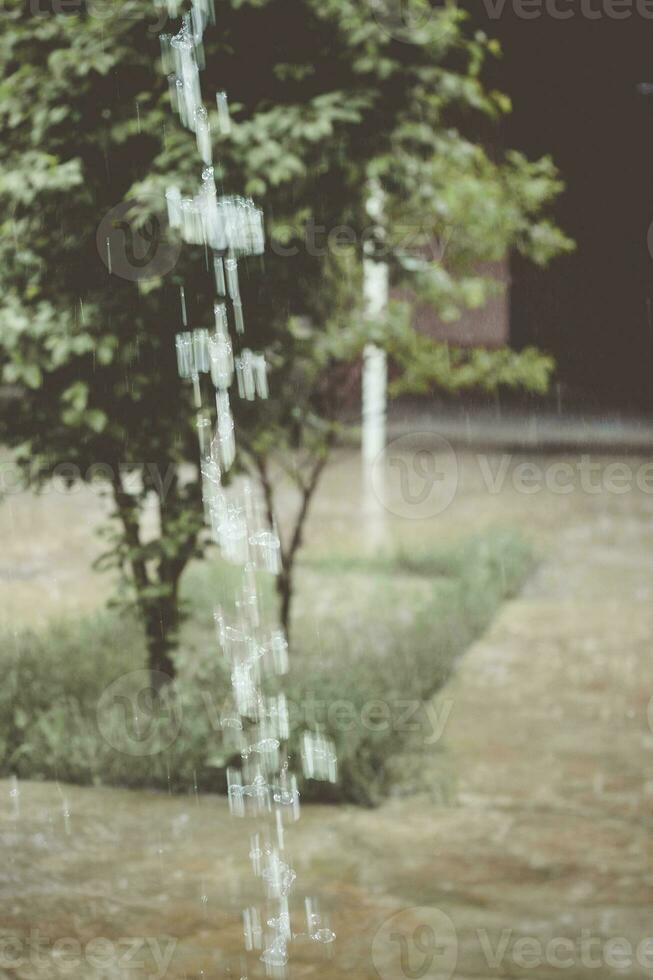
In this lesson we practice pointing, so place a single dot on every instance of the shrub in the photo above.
(75, 703)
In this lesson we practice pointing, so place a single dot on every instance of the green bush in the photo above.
(74, 704)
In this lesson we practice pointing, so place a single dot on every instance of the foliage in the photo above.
(325, 100)
(56, 721)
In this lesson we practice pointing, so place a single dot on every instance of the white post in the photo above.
(375, 295)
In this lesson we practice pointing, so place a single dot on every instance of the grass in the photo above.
(373, 641)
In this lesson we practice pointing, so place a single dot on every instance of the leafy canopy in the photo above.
(325, 98)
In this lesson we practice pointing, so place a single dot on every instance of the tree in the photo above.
(325, 99)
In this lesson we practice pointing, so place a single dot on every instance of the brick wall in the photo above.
(485, 327)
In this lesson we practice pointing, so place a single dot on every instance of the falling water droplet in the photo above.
(224, 119)
(14, 796)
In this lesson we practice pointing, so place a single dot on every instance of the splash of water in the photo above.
(255, 722)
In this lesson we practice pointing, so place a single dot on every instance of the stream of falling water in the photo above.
(256, 724)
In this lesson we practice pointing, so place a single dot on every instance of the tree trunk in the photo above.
(284, 592)
(161, 624)
(160, 612)
(284, 581)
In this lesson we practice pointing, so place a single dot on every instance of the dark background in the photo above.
(574, 89)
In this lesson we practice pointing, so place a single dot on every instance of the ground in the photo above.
(538, 830)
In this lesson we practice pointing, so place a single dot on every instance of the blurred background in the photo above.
(440, 414)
